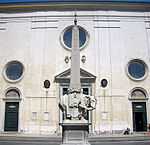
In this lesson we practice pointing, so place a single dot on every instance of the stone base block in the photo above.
(75, 134)
(75, 144)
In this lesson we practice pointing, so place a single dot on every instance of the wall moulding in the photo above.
(71, 6)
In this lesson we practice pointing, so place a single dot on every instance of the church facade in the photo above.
(35, 45)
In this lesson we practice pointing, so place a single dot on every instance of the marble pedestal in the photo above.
(75, 133)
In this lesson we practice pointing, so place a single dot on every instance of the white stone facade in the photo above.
(33, 38)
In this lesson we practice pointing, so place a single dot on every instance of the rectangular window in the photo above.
(65, 91)
(34, 116)
(86, 91)
(46, 116)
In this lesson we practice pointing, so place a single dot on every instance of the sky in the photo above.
(25, 1)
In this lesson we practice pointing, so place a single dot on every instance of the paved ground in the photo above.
(58, 143)
(94, 140)
(123, 143)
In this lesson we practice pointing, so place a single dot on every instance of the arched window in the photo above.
(138, 94)
(12, 94)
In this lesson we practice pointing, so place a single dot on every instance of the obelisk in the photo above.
(75, 85)
(75, 59)
(74, 130)
(75, 103)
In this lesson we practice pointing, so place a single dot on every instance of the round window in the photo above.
(137, 69)
(14, 71)
(66, 37)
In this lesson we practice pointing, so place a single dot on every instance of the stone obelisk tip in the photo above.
(75, 20)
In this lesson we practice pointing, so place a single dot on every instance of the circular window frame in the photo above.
(5, 75)
(133, 78)
(68, 48)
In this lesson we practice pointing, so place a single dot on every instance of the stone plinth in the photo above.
(75, 133)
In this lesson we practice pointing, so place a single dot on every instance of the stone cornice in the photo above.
(23, 7)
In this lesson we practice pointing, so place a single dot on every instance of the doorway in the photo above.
(139, 116)
(11, 116)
